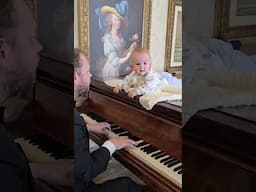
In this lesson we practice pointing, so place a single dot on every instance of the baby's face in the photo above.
(141, 64)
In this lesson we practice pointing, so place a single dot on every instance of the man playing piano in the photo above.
(17, 36)
(88, 165)
(19, 50)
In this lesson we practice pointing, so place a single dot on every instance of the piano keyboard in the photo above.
(163, 163)
(41, 148)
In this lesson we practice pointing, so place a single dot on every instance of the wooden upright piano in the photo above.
(219, 150)
(45, 127)
(157, 159)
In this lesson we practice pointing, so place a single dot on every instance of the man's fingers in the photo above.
(107, 128)
(130, 143)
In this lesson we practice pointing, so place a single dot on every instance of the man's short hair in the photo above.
(7, 20)
(77, 64)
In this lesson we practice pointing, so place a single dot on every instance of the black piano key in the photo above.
(177, 168)
(159, 156)
(114, 126)
(123, 134)
(169, 161)
(146, 147)
(93, 114)
(155, 154)
(134, 138)
(173, 163)
(179, 172)
(141, 144)
(117, 131)
(152, 151)
(51, 147)
(150, 148)
(166, 159)
(96, 117)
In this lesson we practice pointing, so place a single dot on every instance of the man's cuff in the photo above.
(110, 146)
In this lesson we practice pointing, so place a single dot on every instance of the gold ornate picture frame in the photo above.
(174, 11)
(234, 21)
(230, 24)
(86, 11)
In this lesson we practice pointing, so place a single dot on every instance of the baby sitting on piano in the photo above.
(143, 79)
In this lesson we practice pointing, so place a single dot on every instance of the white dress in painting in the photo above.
(113, 50)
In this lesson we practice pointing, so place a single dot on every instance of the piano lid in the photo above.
(244, 112)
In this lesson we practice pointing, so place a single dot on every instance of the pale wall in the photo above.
(158, 33)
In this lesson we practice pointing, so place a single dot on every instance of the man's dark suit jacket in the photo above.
(15, 174)
(87, 165)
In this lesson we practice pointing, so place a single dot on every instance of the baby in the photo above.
(142, 79)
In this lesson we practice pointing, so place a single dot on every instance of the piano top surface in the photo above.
(242, 118)
(170, 110)
(242, 112)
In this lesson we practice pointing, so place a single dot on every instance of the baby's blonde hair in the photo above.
(138, 51)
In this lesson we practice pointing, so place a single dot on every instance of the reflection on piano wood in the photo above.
(157, 158)
(41, 148)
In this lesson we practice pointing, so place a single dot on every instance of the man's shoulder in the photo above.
(78, 120)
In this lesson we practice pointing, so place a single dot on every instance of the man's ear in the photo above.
(76, 75)
(2, 48)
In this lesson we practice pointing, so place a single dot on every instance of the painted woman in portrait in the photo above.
(116, 55)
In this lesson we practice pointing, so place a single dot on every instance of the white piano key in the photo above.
(33, 153)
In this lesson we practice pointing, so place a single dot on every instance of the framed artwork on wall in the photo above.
(108, 29)
(236, 20)
(173, 51)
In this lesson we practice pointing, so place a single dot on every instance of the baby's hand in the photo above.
(132, 94)
(117, 89)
